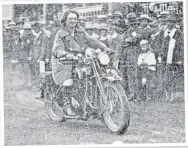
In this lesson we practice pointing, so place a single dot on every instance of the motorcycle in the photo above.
(97, 89)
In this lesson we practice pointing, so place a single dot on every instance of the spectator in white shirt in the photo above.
(147, 71)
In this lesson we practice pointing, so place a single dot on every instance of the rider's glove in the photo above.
(108, 50)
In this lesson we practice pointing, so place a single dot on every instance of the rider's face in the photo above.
(72, 20)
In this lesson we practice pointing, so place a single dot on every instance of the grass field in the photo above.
(27, 123)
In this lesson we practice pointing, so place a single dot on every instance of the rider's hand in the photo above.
(108, 50)
(69, 56)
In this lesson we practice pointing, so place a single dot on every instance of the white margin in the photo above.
(185, 11)
(185, 68)
(1, 84)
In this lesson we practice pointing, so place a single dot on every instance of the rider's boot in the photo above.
(69, 111)
(67, 107)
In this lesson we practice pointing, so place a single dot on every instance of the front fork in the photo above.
(101, 88)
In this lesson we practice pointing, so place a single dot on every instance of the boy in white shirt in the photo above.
(147, 71)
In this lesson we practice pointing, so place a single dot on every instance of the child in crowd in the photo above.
(147, 71)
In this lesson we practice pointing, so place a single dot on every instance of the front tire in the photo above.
(116, 102)
(54, 110)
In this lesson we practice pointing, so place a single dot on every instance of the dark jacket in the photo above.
(178, 52)
(16, 48)
(40, 47)
(26, 46)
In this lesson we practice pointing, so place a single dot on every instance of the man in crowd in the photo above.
(119, 20)
(25, 53)
(130, 54)
(40, 45)
(172, 54)
(90, 30)
(103, 31)
(115, 43)
(16, 46)
(144, 30)
(82, 21)
(20, 27)
(96, 28)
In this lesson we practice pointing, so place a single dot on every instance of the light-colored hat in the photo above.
(89, 25)
(96, 25)
(109, 20)
(36, 24)
(103, 26)
(131, 17)
(172, 18)
(27, 26)
(163, 15)
(142, 42)
(15, 31)
(145, 16)
(118, 13)
(12, 23)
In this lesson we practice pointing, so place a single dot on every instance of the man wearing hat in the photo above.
(40, 47)
(90, 30)
(120, 22)
(82, 21)
(117, 16)
(25, 52)
(7, 38)
(144, 31)
(19, 26)
(46, 54)
(172, 54)
(130, 54)
(103, 31)
(96, 28)
(12, 25)
(115, 43)
(16, 46)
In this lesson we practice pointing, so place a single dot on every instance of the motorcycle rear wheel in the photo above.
(116, 102)
(54, 110)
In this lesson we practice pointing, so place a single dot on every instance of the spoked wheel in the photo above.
(54, 109)
(117, 112)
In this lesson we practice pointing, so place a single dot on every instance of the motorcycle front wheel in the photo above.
(54, 110)
(116, 108)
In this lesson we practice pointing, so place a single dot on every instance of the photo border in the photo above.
(185, 12)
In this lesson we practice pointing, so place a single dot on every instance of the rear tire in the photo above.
(121, 124)
(54, 110)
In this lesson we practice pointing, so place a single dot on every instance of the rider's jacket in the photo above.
(66, 43)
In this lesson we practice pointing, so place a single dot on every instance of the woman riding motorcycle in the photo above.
(71, 39)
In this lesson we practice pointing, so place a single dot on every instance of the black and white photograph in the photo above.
(90, 73)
